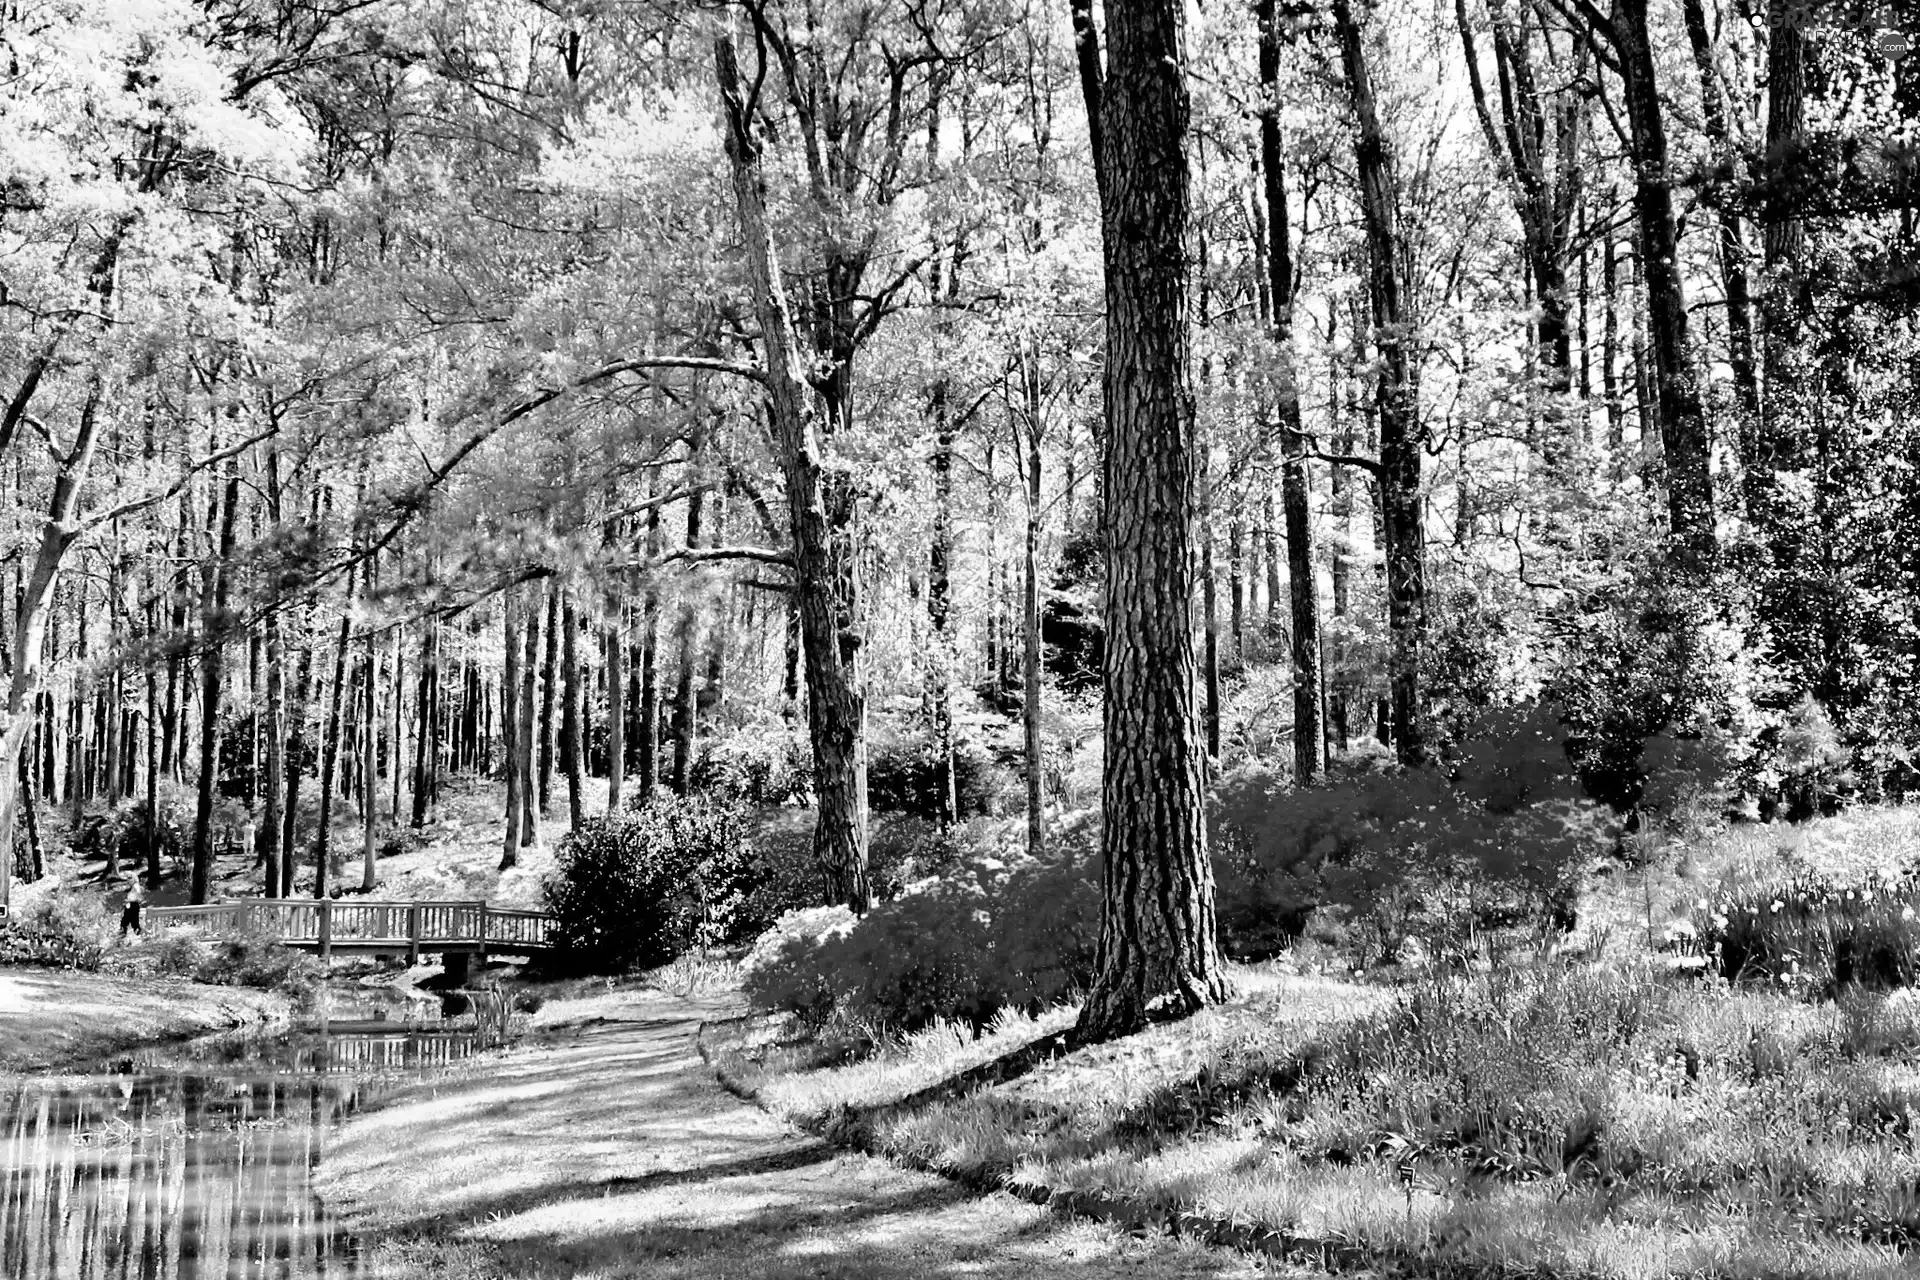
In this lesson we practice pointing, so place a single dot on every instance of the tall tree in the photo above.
(1397, 398)
(823, 552)
(1157, 945)
(1309, 736)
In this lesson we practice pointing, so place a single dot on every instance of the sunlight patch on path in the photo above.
(612, 1153)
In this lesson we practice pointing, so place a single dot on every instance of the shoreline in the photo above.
(58, 1020)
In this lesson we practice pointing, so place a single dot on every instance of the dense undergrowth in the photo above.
(1646, 1097)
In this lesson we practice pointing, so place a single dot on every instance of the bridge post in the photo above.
(413, 933)
(483, 933)
(325, 912)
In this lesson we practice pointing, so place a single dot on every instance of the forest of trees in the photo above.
(550, 389)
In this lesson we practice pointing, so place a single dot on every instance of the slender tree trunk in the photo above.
(825, 580)
(1610, 339)
(30, 622)
(426, 742)
(153, 779)
(1401, 438)
(1732, 246)
(330, 750)
(943, 657)
(397, 743)
(549, 691)
(510, 725)
(1030, 657)
(524, 737)
(685, 705)
(1157, 938)
(213, 649)
(573, 750)
(1681, 418)
(370, 770)
(615, 643)
(1309, 735)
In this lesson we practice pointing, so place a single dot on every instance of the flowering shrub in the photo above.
(640, 887)
(58, 928)
(762, 764)
(994, 932)
(1813, 934)
(1419, 854)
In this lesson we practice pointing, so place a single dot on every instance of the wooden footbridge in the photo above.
(328, 925)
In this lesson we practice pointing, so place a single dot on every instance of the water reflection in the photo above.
(194, 1163)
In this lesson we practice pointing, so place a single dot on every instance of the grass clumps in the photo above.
(1595, 1112)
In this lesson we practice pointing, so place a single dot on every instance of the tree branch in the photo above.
(211, 460)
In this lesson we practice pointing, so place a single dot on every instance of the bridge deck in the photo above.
(328, 925)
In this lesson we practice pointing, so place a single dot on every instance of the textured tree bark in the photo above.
(1681, 418)
(213, 655)
(1157, 945)
(1397, 396)
(1309, 735)
(819, 508)
(1209, 610)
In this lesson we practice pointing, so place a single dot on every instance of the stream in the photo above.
(196, 1160)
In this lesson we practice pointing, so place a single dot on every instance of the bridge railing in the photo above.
(325, 922)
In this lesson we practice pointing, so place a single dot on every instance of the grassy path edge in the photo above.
(854, 1129)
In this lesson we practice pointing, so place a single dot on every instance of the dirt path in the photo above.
(611, 1152)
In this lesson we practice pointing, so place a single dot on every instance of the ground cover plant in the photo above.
(1622, 1116)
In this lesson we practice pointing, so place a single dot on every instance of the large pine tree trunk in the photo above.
(824, 570)
(1157, 944)
(212, 675)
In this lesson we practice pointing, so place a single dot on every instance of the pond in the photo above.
(197, 1160)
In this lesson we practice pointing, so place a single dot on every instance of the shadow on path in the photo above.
(611, 1152)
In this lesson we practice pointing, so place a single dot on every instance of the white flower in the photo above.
(1776, 906)
(1906, 912)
